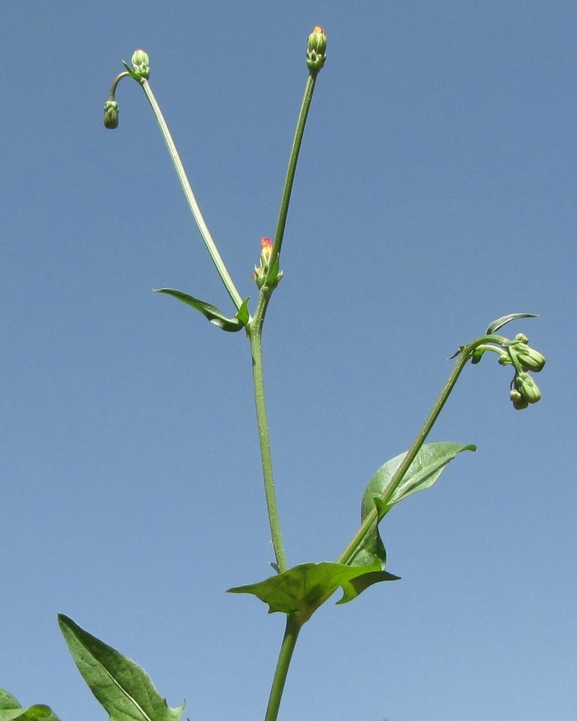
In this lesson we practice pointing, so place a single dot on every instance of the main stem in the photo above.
(254, 330)
(255, 337)
(287, 648)
(189, 195)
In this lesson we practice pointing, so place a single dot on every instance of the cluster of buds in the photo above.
(262, 271)
(518, 353)
(316, 50)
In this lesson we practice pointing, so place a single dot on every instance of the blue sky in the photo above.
(435, 192)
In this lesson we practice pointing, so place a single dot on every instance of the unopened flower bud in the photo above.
(316, 49)
(260, 271)
(521, 338)
(111, 114)
(141, 63)
(527, 387)
(519, 403)
(529, 359)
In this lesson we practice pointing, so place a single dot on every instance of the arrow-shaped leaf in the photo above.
(124, 689)
(303, 589)
(214, 314)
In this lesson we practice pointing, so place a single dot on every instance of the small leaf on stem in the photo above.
(425, 469)
(500, 322)
(214, 315)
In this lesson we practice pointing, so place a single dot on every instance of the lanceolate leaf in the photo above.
(428, 465)
(500, 322)
(121, 686)
(214, 315)
(302, 589)
(10, 710)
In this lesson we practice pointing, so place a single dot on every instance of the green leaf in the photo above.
(10, 710)
(121, 686)
(9, 706)
(428, 465)
(500, 322)
(37, 713)
(303, 589)
(7, 701)
(214, 315)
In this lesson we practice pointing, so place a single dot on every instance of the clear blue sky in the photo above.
(436, 191)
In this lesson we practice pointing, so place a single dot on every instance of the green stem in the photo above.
(114, 85)
(288, 185)
(348, 555)
(255, 337)
(287, 648)
(254, 330)
(186, 187)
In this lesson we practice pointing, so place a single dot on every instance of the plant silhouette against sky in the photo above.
(122, 687)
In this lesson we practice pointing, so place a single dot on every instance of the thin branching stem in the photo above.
(189, 194)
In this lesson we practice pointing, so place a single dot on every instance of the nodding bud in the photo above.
(111, 114)
(519, 403)
(527, 387)
(529, 359)
(316, 49)
(141, 63)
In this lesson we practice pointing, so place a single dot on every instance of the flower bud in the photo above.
(111, 114)
(521, 338)
(527, 387)
(316, 49)
(141, 63)
(529, 359)
(519, 403)
(260, 271)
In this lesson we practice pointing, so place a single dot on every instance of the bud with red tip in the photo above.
(316, 50)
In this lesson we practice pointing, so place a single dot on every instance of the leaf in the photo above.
(37, 713)
(214, 315)
(120, 685)
(7, 701)
(500, 322)
(10, 710)
(428, 465)
(303, 589)
(9, 706)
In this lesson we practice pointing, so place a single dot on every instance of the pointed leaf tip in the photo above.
(122, 687)
(500, 322)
